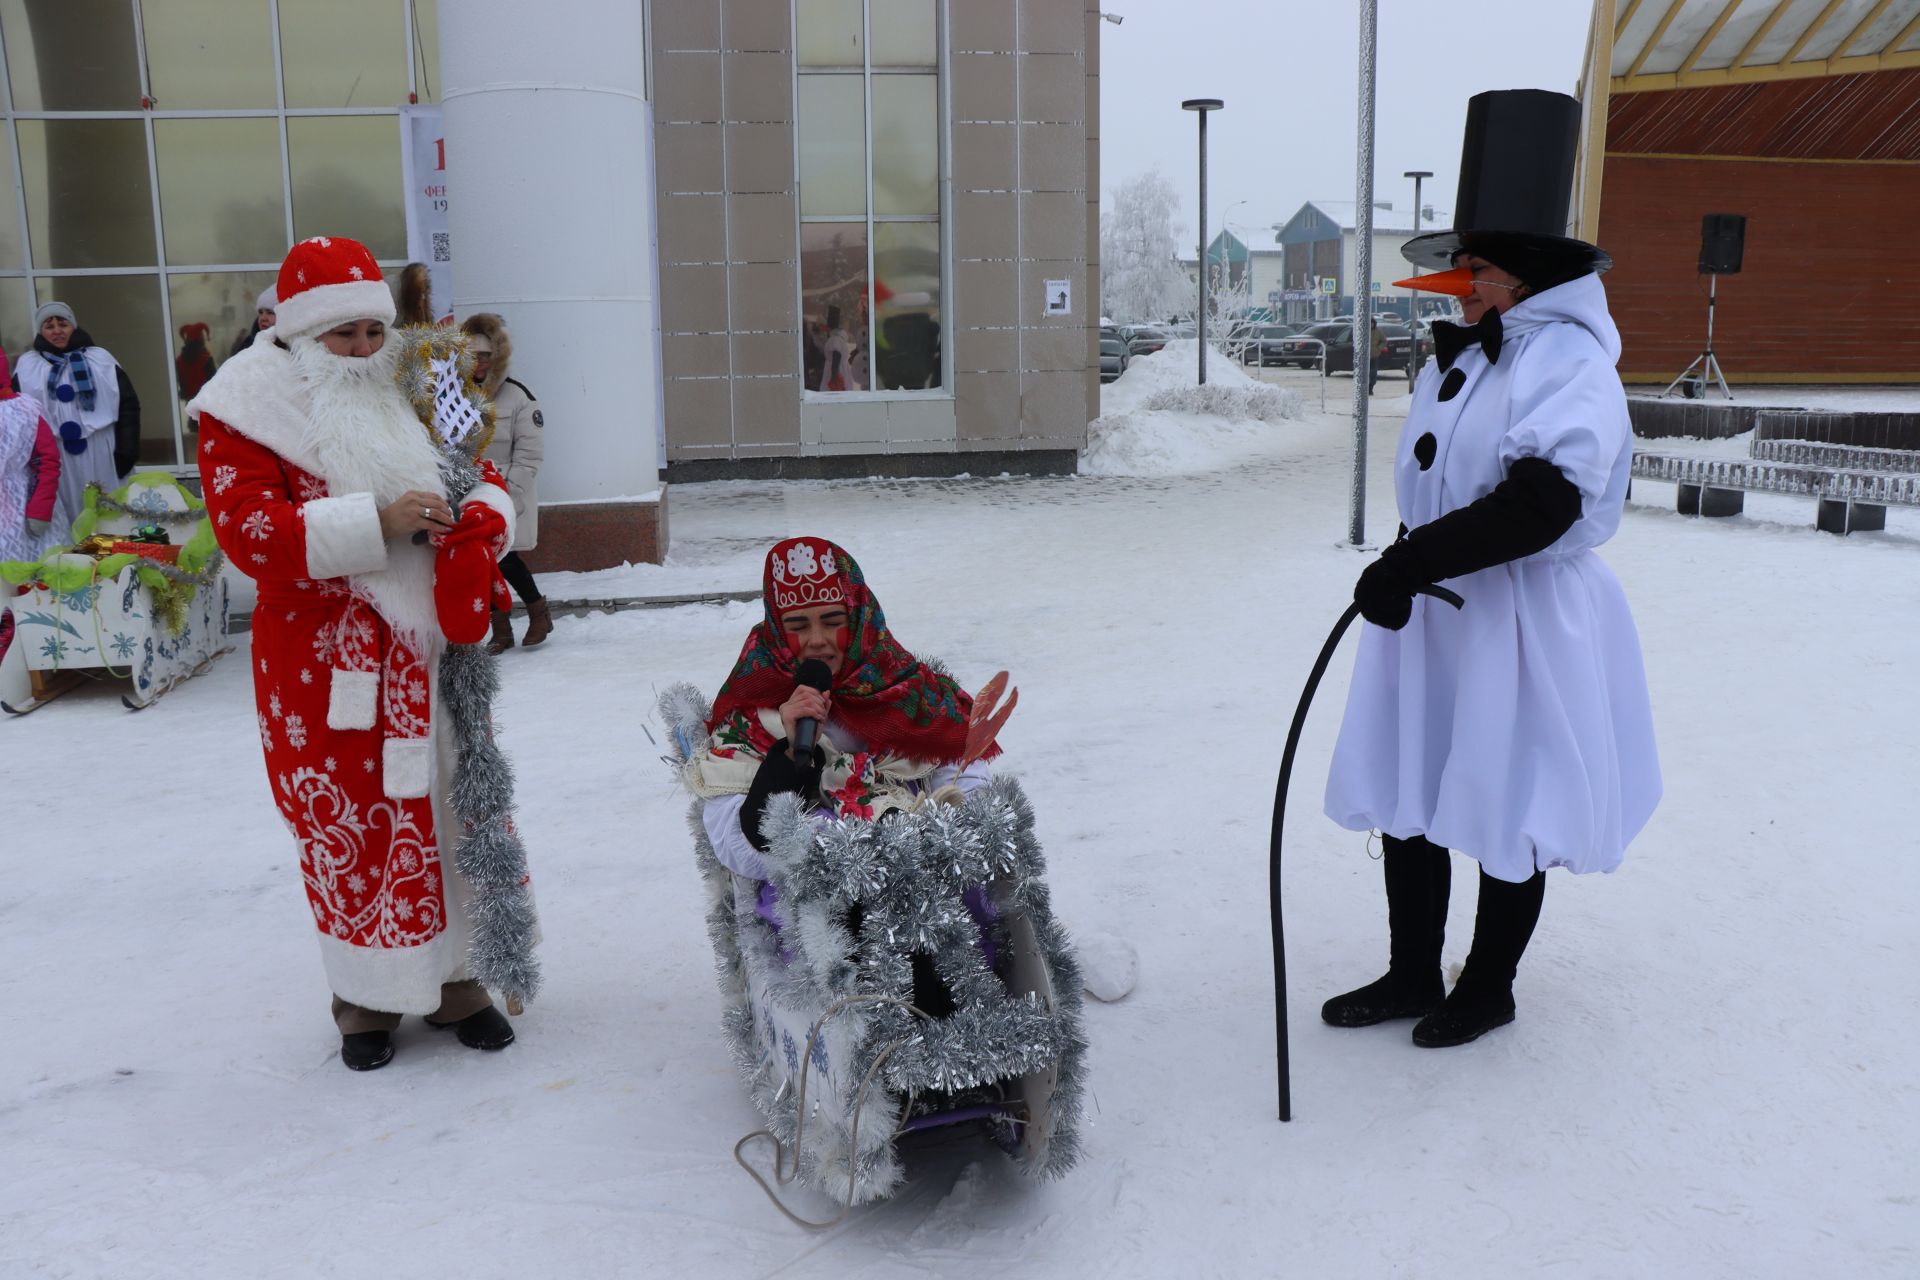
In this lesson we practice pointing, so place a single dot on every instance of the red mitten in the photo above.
(464, 572)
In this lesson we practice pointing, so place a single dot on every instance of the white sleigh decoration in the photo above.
(113, 626)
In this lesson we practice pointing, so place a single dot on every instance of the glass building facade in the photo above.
(162, 155)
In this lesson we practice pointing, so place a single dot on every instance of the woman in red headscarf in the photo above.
(892, 730)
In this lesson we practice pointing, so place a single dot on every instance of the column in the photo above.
(550, 178)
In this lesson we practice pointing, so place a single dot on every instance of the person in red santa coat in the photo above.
(321, 481)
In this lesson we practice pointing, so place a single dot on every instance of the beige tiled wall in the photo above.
(1023, 205)
(1022, 75)
(723, 159)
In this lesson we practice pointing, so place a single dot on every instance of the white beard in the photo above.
(360, 428)
(364, 437)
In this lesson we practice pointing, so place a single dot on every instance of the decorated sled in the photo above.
(918, 980)
(138, 595)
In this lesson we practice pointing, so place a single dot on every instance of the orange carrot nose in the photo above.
(1458, 282)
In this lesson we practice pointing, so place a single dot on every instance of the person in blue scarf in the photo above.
(87, 398)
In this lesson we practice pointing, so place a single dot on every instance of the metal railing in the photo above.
(1759, 475)
(1850, 457)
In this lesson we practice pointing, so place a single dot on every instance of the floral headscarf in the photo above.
(896, 703)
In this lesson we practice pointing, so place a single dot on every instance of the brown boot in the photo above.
(502, 632)
(539, 623)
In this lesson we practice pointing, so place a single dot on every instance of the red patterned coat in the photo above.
(346, 648)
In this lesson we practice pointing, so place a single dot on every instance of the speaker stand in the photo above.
(1706, 362)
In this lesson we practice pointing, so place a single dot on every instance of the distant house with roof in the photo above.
(1317, 245)
(1237, 265)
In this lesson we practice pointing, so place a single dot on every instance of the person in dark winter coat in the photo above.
(519, 446)
(262, 319)
(193, 368)
(1518, 728)
(87, 396)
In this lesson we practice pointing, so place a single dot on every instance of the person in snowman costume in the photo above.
(1516, 729)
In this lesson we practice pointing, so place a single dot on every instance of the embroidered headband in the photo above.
(803, 575)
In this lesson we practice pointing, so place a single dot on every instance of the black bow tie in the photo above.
(1449, 340)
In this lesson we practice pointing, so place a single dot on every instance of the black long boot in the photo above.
(1483, 998)
(1419, 878)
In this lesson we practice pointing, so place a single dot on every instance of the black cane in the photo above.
(1279, 818)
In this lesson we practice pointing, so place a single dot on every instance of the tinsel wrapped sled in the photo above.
(1004, 1050)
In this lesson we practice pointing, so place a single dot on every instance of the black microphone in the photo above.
(814, 674)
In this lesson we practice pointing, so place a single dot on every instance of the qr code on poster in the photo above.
(442, 246)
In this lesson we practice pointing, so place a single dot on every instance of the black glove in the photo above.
(1525, 513)
(778, 773)
(1386, 589)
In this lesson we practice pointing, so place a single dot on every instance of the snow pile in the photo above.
(1109, 965)
(1158, 420)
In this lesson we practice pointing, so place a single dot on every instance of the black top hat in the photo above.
(1516, 182)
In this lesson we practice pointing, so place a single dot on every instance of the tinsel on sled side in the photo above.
(865, 904)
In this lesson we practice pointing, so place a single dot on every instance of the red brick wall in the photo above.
(1826, 290)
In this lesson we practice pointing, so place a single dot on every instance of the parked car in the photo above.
(1236, 338)
(1113, 358)
(1399, 343)
(1144, 340)
(1302, 350)
(1263, 345)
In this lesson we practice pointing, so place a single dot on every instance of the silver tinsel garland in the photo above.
(908, 874)
(490, 855)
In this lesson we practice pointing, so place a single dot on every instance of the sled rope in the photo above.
(785, 1176)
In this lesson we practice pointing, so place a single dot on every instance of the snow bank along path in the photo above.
(1157, 420)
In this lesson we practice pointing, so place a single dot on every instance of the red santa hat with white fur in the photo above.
(328, 281)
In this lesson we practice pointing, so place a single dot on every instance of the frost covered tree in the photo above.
(1229, 297)
(1140, 274)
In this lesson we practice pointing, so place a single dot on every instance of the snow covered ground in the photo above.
(1713, 1072)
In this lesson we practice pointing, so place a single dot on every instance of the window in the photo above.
(868, 137)
(152, 222)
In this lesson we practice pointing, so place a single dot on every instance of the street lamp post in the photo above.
(1412, 296)
(1413, 299)
(1363, 270)
(1226, 233)
(1202, 106)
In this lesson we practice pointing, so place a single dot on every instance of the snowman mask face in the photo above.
(1494, 287)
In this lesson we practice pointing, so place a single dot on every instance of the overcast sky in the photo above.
(1288, 71)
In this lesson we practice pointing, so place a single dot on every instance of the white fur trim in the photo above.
(320, 308)
(257, 394)
(392, 979)
(343, 536)
(352, 699)
(406, 768)
(497, 498)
